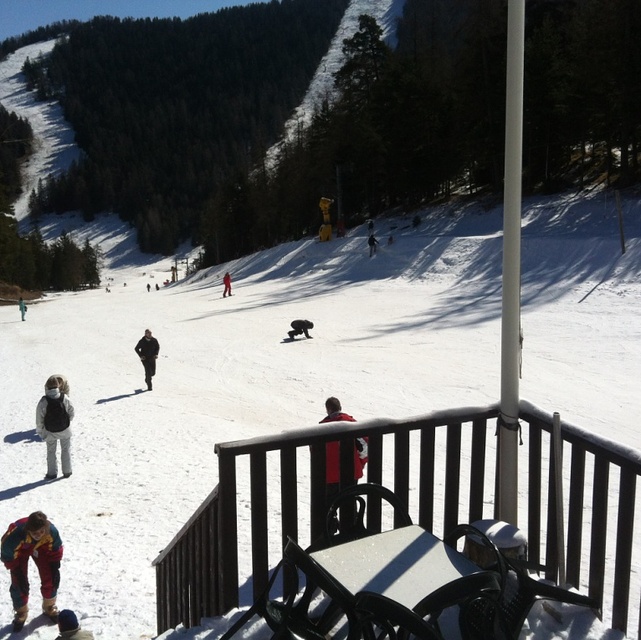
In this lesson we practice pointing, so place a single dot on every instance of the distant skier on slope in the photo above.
(372, 242)
(227, 283)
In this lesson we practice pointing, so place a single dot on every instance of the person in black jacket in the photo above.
(372, 242)
(300, 326)
(147, 350)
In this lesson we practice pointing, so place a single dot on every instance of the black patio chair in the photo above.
(488, 583)
(340, 605)
(289, 617)
(274, 612)
(340, 529)
(488, 618)
(499, 562)
(369, 623)
(380, 617)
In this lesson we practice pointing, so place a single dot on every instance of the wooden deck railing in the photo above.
(187, 584)
(443, 467)
(602, 525)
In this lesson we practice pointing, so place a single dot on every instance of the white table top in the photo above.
(404, 564)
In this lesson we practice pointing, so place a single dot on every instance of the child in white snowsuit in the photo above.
(54, 414)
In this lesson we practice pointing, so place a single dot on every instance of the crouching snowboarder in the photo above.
(299, 327)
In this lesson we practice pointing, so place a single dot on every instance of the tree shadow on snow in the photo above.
(120, 397)
(22, 436)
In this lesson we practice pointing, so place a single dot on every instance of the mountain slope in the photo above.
(414, 329)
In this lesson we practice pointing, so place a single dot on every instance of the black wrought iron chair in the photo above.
(498, 564)
(341, 602)
(341, 528)
(289, 617)
(353, 524)
(363, 619)
(274, 612)
(380, 617)
(489, 618)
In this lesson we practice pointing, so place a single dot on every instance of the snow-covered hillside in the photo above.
(386, 13)
(55, 149)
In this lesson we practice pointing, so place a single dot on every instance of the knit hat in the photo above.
(67, 620)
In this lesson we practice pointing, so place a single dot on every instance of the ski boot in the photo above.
(50, 609)
(20, 617)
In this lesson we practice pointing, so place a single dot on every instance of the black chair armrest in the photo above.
(500, 562)
(274, 613)
(459, 591)
(374, 610)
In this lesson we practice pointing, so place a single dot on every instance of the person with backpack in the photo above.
(54, 414)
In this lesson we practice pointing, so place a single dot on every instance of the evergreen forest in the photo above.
(175, 117)
(420, 122)
(168, 111)
(16, 139)
(29, 262)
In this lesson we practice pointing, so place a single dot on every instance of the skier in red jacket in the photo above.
(227, 283)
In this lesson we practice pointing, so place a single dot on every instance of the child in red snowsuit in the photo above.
(33, 537)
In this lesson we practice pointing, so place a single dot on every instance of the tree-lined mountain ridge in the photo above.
(174, 123)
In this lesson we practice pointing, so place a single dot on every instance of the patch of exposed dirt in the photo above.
(10, 294)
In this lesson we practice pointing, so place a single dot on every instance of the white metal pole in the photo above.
(511, 311)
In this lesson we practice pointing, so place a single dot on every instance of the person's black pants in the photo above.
(150, 369)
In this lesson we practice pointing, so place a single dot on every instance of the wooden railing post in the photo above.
(623, 561)
(227, 533)
(599, 533)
